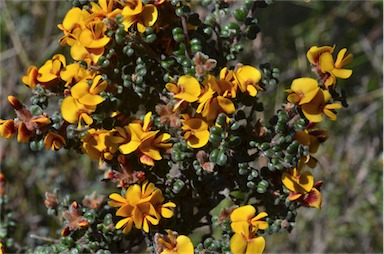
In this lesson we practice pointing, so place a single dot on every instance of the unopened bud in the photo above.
(15, 103)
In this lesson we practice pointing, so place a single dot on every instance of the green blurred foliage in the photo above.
(351, 161)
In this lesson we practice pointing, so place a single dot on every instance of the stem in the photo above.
(47, 239)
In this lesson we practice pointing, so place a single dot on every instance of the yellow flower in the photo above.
(312, 198)
(314, 109)
(126, 138)
(7, 128)
(73, 73)
(296, 181)
(105, 8)
(96, 144)
(302, 90)
(173, 243)
(247, 78)
(335, 69)
(245, 216)
(85, 33)
(73, 21)
(137, 136)
(49, 73)
(215, 99)
(31, 78)
(245, 225)
(75, 112)
(325, 67)
(150, 141)
(314, 53)
(89, 95)
(312, 139)
(54, 141)
(135, 13)
(90, 42)
(247, 243)
(187, 89)
(196, 132)
(139, 207)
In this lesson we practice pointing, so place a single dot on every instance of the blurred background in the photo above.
(350, 162)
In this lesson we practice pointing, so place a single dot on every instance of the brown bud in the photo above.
(15, 103)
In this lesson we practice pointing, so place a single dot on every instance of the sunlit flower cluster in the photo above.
(84, 29)
(142, 206)
(326, 67)
(215, 96)
(313, 97)
(135, 137)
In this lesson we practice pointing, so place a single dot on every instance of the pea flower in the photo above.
(89, 95)
(173, 243)
(312, 139)
(142, 206)
(75, 112)
(83, 101)
(296, 181)
(186, 89)
(137, 137)
(328, 70)
(96, 144)
(245, 215)
(312, 198)
(85, 34)
(302, 90)
(73, 73)
(90, 42)
(7, 128)
(320, 105)
(247, 78)
(54, 141)
(196, 132)
(135, 13)
(30, 79)
(245, 224)
(49, 74)
(105, 8)
(335, 69)
(215, 98)
(314, 53)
